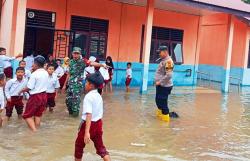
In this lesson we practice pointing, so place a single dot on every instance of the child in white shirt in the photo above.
(52, 88)
(12, 89)
(91, 125)
(2, 99)
(128, 76)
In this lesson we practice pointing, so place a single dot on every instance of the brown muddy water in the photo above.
(212, 126)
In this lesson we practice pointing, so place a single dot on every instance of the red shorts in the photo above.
(8, 72)
(17, 102)
(51, 99)
(36, 105)
(128, 81)
(95, 135)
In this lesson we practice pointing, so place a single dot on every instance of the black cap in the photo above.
(162, 48)
(40, 60)
(95, 78)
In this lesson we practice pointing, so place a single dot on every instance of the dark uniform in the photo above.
(164, 75)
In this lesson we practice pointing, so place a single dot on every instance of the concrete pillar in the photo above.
(13, 26)
(228, 56)
(147, 45)
(197, 52)
(246, 71)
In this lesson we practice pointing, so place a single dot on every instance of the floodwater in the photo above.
(212, 126)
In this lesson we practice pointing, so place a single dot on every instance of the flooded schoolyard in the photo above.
(212, 126)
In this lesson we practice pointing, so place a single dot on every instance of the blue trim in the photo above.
(180, 74)
(225, 81)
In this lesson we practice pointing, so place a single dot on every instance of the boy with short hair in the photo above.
(91, 125)
(12, 88)
(2, 99)
(27, 74)
(37, 86)
(128, 76)
(53, 86)
(58, 69)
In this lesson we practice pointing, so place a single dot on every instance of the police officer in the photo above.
(164, 83)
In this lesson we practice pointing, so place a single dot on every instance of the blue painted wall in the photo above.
(181, 77)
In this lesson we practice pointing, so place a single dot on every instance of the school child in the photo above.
(12, 88)
(109, 63)
(2, 99)
(27, 73)
(37, 86)
(91, 124)
(29, 59)
(128, 76)
(8, 70)
(53, 86)
(58, 69)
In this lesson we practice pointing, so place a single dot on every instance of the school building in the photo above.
(203, 36)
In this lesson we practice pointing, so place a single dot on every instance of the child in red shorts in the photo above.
(91, 125)
(37, 86)
(52, 88)
(12, 88)
(128, 76)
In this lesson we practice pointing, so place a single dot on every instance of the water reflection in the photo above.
(212, 126)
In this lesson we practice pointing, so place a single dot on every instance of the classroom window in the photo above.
(172, 38)
(91, 35)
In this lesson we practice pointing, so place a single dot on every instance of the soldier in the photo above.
(74, 81)
(164, 83)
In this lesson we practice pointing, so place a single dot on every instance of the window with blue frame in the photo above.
(172, 38)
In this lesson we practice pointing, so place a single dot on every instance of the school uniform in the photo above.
(29, 62)
(128, 76)
(59, 72)
(164, 75)
(12, 88)
(37, 102)
(93, 104)
(2, 99)
(8, 70)
(53, 84)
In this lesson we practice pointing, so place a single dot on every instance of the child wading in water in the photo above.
(128, 76)
(91, 125)
(2, 102)
(12, 88)
(52, 88)
(37, 86)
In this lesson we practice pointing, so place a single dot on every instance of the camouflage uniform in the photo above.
(75, 86)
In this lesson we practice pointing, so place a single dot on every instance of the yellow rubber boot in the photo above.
(159, 113)
(165, 118)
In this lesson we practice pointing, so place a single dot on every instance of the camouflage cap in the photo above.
(77, 50)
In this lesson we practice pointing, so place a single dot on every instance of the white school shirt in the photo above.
(129, 73)
(2, 103)
(53, 84)
(6, 60)
(88, 70)
(93, 104)
(13, 87)
(38, 81)
(104, 72)
(29, 62)
(59, 71)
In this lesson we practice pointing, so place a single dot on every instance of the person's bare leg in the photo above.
(20, 117)
(1, 121)
(110, 86)
(78, 159)
(31, 123)
(37, 121)
(8, 118)
(106, 158)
